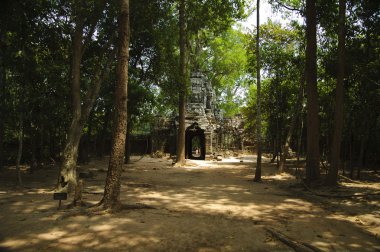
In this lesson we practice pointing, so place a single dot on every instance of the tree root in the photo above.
(338, 196)
(351, 180)
(136, 206)
(94, 193)
(297, 246)
(72, 213)
(100, 209)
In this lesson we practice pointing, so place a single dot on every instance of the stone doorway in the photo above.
(195, 147)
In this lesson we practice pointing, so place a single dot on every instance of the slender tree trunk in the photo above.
(111, 198)
(1, 140)
(278, 137)
(273, 149)
(2, 98)
(350, 153)
(361, 156)
(259, 144)
(128, 144)
(40, 144)
(332, 176)
(296, 114)
(299, 141)
(312, 157)
(33, 161)
(101, 141)
(182, 84)
(19, 152)
(363, 144)
(68, 176)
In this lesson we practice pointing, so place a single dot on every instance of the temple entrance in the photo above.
(195, 147)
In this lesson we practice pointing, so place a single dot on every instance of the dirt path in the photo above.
(205, 206)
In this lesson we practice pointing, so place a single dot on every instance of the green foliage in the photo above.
(213, 15)
(223, 59)
(35, 42)
(282, 52)
(282, 65)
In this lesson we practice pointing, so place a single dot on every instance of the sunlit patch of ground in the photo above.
(203, 206)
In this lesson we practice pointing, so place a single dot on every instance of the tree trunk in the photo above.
(33, 161)
(182, 84)
(111, 198)
(361, 156)
(363, 143)
(332, 176)
(1, 140)
(351, 158)
(19, 152)
(312, 157)
(274, 154)
(128, 144)
(2, 98)
(296, 114)
(299, 141)
(278, 137)
(68, 177)
(258, 161)
(101, 141)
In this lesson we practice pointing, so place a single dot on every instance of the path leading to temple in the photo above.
(204, 206)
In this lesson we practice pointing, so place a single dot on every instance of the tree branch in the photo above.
(289, 8)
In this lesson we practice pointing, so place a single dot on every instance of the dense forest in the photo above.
(181, 125)
(319, 90)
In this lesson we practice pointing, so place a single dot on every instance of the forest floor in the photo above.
(204, 206)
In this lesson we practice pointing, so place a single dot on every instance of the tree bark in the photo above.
(363, 144)
(33, 161)
(296, 113)
(128, 144)
(101, 139)
(68, 177)
(111, 198)
(2, 90)
(258, 67)
(299, 141)
(332, 176)
(19, 152)
(182, 85)
(1, 140)
(312, 156)
(350, 153)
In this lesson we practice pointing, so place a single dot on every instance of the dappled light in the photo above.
(215, 195)
(185, 125)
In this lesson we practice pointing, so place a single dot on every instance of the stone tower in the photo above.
(201, 118)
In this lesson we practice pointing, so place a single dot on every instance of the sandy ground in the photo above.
(205, 206)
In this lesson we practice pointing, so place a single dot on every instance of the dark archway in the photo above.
(195, 147)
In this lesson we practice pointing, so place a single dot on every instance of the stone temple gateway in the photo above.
(202, 118)
(207, 132)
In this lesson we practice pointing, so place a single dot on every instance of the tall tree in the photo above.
(296, 114)
(20, 149)
(80, 108)
(182, 83)
(258, 124)
(332, 176)
(2, 89)
(111, 198)
(312, 156)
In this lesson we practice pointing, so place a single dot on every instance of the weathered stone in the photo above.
(214, 132)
